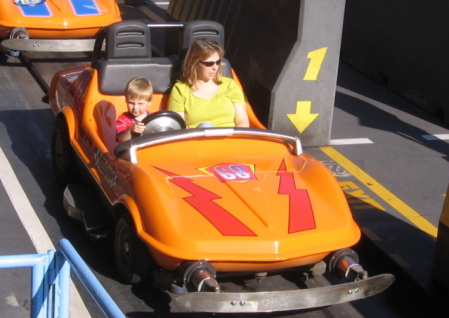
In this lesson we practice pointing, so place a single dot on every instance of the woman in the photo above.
(202, 96)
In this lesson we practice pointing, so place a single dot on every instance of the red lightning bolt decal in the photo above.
(202, 201)
(301, 213)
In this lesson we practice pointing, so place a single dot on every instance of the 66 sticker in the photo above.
(231, 172)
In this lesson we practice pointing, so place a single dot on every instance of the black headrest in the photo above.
(202, 30)
(124, 39)
(128, 39)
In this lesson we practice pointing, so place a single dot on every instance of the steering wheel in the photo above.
(163, 120)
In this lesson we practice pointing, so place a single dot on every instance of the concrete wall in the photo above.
(403, 44)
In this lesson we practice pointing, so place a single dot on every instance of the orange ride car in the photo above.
(45, 22)
(190, 206)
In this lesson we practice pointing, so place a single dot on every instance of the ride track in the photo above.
(336, 311)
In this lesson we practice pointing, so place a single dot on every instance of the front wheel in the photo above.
(132, 258)
(62, 155)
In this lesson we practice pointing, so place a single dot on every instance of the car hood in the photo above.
(259, 203)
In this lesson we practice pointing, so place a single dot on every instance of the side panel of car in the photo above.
(91, 118)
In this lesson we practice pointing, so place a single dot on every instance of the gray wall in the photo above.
(403, 44)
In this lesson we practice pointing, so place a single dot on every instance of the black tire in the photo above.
(62, 155)
(132, 258)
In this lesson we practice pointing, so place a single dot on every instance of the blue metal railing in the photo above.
(50, 282)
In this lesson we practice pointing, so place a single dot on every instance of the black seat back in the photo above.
(127, 54)
(201, 30)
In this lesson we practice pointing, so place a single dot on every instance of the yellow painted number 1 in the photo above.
(316, 60)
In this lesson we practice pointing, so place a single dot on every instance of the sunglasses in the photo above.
(210, 63)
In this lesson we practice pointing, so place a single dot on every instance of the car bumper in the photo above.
(274, 301)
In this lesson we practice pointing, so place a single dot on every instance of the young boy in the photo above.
(138, 95)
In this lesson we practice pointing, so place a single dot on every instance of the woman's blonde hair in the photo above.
(200, 50)
(139, 88)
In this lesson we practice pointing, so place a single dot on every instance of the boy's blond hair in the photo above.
(139, 88)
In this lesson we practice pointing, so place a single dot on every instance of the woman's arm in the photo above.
(241, 116)
(176, 101)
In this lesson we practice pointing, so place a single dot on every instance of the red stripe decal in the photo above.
(300, 209)
(202, 201)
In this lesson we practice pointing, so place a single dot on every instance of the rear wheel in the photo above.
(63, 160)
(132, 258)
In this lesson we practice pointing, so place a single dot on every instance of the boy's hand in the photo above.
(138, 128)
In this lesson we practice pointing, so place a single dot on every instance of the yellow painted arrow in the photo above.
(302, 118)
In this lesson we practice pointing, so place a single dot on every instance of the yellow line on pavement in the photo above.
(381, 191)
